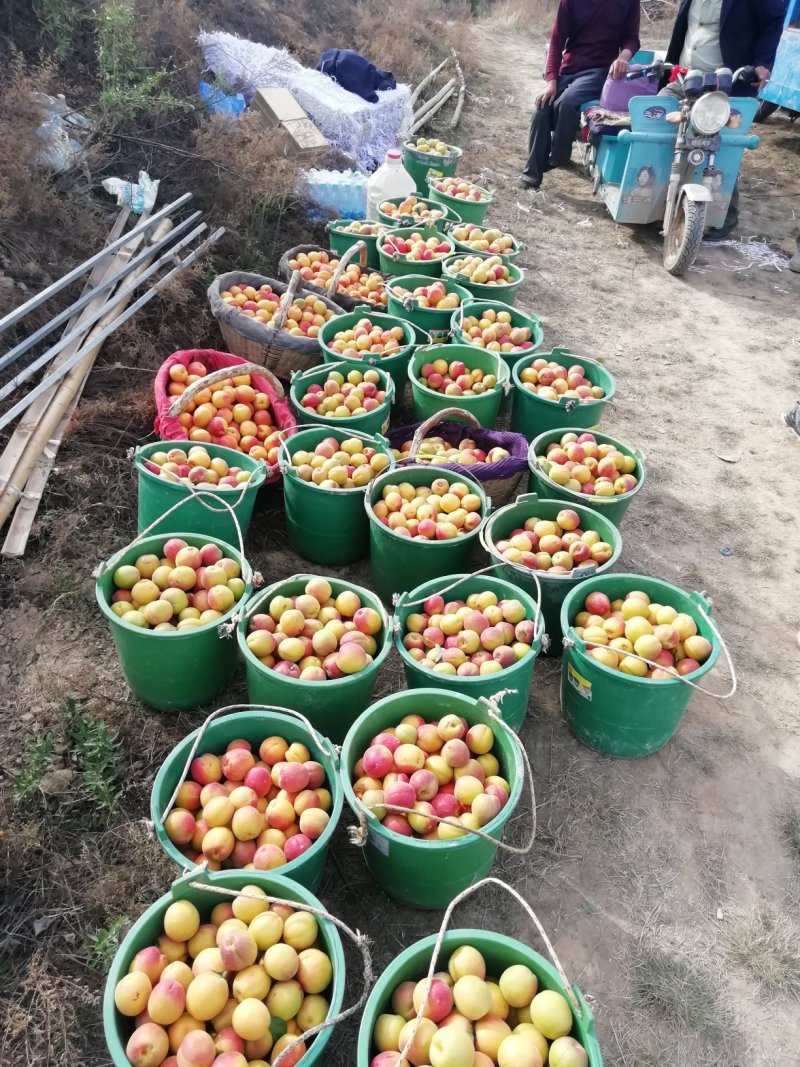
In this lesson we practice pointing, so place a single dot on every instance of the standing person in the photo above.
(709, 34)
(590, 40)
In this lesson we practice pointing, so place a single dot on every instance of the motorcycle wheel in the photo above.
(685, 236)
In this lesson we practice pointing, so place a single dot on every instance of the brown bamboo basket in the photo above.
(268, 345)
(349, 303)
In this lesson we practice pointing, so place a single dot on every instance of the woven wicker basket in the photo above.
(349, 303)
(501, 481)
(269, 345)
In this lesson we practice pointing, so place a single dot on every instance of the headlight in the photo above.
(710, 113)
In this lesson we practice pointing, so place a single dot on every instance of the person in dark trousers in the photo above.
(709, 34)
(590, 40)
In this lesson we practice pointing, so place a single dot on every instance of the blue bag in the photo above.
(355, 73)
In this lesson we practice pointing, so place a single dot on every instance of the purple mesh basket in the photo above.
(500, 480)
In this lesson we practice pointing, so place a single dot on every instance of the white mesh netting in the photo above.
(363, 130)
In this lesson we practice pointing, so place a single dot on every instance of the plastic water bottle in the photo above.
(390, 180)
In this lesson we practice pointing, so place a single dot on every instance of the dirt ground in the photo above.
(670, 886)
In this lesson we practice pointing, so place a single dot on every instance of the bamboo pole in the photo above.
(435, 104)
(19, 439)
(52, 407)
(462, 91)
(427, 80)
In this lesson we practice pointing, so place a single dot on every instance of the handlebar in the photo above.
(699, 81)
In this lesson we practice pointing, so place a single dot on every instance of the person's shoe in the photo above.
(794, 262)
(720, 233)
(528, 183)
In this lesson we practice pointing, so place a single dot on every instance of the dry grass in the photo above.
(766, 944)
(790, 832)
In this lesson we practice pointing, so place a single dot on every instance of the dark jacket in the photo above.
(749, 32)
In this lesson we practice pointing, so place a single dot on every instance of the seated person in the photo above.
(590, 39)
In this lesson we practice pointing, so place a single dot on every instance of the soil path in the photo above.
(680, 852)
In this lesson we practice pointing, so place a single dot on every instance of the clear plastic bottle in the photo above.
(391, 179)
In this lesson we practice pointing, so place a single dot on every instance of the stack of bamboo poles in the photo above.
(430, 107)
(46, 409)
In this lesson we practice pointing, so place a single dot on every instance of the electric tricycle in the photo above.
(673, 157)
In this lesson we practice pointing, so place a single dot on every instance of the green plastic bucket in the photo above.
(436, 323)
(325, 525)
(252, 724)
(518, 318)
(376, 421)
(149, 927)
(484, 406)
(420, 164)
(443, 223)
(178, 669)
(612, 507)
(506, 292)
(618, 713)
(396, 365)
(517, 678)
(532, 416)
(331, 706)
(401, 563)
(500, 952)
(397, 265)
(507, 257)
(205, 517)
(341, 239)
(556, 587)
(468, 210)
(428, 874)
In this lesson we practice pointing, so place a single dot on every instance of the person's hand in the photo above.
(619, 68)
(548, 95)
(763, 76)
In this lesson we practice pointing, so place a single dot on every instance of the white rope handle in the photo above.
(203, 500)
(322, 742)
(360, 833)
(569, 643)
(258, 600)
(576, 1005)
(378, 440)
(360, 940)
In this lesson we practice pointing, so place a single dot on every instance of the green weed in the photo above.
(60, 20)
(38, 757)
(129, 87)
(97, 754)
(104, 943)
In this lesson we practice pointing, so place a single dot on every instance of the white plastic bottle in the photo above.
(391, 179)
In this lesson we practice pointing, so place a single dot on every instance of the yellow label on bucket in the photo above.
(433, 173)
(577, 681)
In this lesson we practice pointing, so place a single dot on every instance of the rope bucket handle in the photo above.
(491, 550)
(574, 1002)
(257, 476)
(285, 460)
(333, 285)
(323, 742)
(188, 394)
(201, 498)
(431, 423)
(570, 642)
(360, 940)
(538, 622)
(359, 834)
(258, 600)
